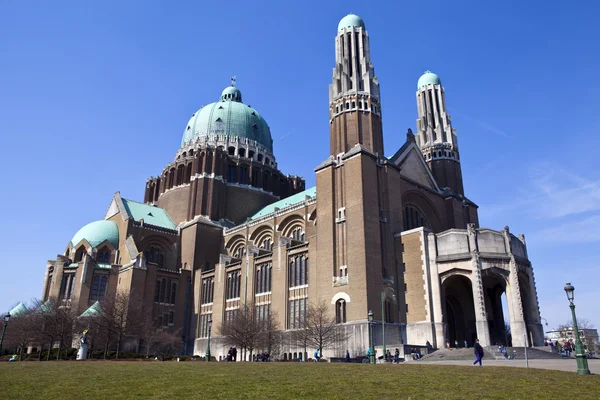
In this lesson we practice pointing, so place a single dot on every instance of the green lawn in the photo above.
(198, 380)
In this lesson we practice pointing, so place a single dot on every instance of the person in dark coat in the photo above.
(478, 350)
(347, 356)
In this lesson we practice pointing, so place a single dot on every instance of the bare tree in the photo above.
(52, 322)
(20, 333)
(168, 343)
(120, 317)
(321, 329)
(270, 337)
(243, 329)
(150, 335)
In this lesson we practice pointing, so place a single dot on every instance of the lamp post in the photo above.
(582, 363)
(372, 350)
(383, 322)
(208, 344)
(6, 319)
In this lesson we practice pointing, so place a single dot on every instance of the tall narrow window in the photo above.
(233, 285)
(103, 256)
(340, 311)
(173, 292)
(208, 285)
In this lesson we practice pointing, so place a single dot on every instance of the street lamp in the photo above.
(582, 363)
(372, 350)
(208, 344)
(6, 319)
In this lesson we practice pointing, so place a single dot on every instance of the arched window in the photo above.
(297, 234)
(103, 255)
(389, 311)
(414, 218)
(154, 255)
(242, 152)
(80, 253)
(231, 151)
(340, 311)
(99, 285)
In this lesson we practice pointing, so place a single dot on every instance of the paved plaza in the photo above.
(558, 364)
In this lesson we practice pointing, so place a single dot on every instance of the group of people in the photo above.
(232, 354)
(262, 357)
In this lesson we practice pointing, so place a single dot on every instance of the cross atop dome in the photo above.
(233, 80)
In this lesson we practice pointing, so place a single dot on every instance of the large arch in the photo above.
(290, 223)
(425, 205)
(494, 286)
(262, 237)
(459, 309)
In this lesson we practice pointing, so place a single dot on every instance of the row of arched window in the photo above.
(351, 105)
(102, 257)
(414, 218)
(166, 291)
(154, 255)
(241, 152)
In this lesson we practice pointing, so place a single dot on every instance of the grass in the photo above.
(198, 380)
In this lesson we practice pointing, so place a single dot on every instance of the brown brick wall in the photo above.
(413, 277)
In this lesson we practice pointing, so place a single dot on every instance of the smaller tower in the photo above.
(436, 137)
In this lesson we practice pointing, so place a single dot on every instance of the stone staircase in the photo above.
(533, 353)
(491, 353)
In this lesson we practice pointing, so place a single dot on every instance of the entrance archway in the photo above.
(494, 286)
(459, 309)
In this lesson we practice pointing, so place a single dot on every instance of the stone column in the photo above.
(481, 322)
(518, 329)
(439, 328)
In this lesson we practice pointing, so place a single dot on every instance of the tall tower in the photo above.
(436, 137)
(357, 189)
(355, 112)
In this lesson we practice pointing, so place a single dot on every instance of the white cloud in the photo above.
(552, 192)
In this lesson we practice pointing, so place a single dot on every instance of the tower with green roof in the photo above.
(435, 135)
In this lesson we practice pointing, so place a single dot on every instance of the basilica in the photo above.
(222, 227)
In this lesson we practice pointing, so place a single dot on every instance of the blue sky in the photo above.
(94, 98)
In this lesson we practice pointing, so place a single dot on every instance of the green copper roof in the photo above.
(97, 232)
(93, 311)
(428, 78)
(350, 21)
(229, 117)
(18, 310)
(288, 201)
(150, 214)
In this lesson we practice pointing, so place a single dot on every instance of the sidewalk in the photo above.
(559, 364)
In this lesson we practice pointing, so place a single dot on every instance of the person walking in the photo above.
(478, 350)
(316, 355)
(347, 356)
(397, 356)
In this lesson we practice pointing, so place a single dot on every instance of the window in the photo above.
(297, 234)
(267, 244)
(171, 317)
(204, 318)
(414, 218)
(405, 288)
(406, 308)
(242, 152)
(208, 288)
(297, 313)
(155, 255)
(230, 315)
(263, 278)
(233, 285)
(173, 292)
(260, 158)
(80, 253)
(298, 271)
(340, 311)
(231, 173)
(67, 286)
(262, 312)
(98, 288)
(240, 252)
(244, 175)
(388, 311)
(231, 151)
(103, 256)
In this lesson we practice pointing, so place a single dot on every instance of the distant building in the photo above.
(222, 227)
(588, 336)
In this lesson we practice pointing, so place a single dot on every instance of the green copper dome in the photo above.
(428, 78)
(97, 232)
(350, 21)
(229, 117)
(18, 310)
